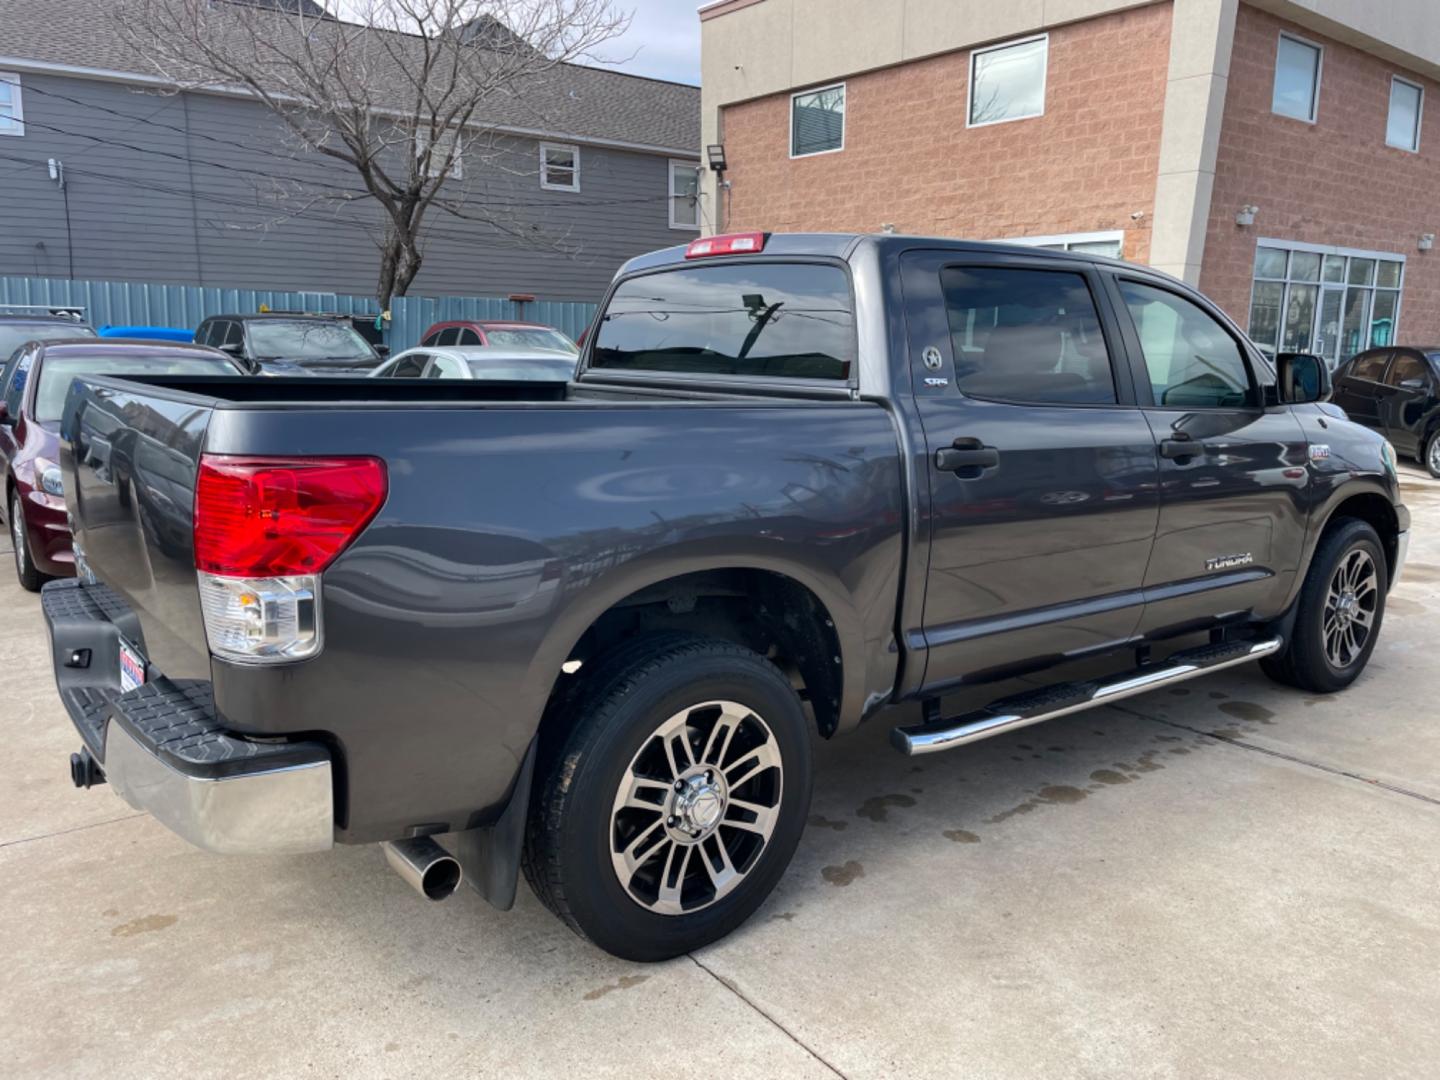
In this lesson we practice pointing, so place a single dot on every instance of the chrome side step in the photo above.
(1050, 702)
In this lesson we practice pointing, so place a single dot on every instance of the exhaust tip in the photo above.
(428, 868)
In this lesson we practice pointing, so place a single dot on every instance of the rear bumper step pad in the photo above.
(1048, 703)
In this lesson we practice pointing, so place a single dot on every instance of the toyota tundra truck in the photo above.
(588, 630)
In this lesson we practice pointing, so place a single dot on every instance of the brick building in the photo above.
(1276, 153)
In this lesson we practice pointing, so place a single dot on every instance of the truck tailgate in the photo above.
(130, 456)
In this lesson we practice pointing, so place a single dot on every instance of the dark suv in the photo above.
(287, 343)
(1394, 390)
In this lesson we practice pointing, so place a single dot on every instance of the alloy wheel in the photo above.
(696, 807)
(1350, 608)
(1433, 454)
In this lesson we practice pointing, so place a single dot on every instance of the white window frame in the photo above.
(1314, 117)
(844, 119)
(699, 175)
(1116, 236)
(17, 99)
(457, 167)
(970, 86)
(1419, 113)
(1348, 253)
(572, 148)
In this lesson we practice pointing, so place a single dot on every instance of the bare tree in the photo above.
(409, 95)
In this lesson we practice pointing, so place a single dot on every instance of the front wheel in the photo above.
(1341, 606)
(30, 578)
(1430, 455)
(677, 798)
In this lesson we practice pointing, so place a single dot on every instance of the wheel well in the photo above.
(1376, 510)
(764, 611)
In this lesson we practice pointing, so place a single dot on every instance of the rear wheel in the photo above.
(676, 801)
(25, 571)
(1341, 607)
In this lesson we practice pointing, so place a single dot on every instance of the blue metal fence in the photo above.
(127, 303)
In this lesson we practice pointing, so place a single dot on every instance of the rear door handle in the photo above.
(1179, 448)
(967, 455)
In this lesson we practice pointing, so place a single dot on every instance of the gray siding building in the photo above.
(201, 189)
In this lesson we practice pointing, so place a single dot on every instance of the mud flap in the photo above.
(490, 856)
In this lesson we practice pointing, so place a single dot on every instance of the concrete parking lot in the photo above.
(1226, 879)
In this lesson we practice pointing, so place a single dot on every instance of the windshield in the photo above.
(283, 339)
(537, 337)
(538, 370)
(57, 372)
(13, 335)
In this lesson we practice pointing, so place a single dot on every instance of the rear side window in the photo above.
(1370, 366)
(429, 339)
(767, 320)
(1027, 336)
(1192, 361)
(449, 336)
(469, 337)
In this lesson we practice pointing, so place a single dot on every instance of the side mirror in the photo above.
(234, 348)
(382, 350)
(1303, 378)
(1412, 384)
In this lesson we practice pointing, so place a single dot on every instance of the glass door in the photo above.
(1327, 325)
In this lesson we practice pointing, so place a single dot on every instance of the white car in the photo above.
(478, 362)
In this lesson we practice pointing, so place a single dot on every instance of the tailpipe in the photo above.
(431, 870)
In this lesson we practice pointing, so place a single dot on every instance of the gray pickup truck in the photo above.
(590, 628)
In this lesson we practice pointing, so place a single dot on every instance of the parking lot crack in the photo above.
(65, 832)
(775, 1023)
(1333, 770)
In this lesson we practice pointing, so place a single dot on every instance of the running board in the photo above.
(1047, 703)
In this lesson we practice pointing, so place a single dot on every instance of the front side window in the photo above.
(1109, 244)
(1008, 82)
(684, 195)
(1297, 79)
(446, 367)
(1407, 371)
(559, 167)
(12, 115)
(16, 372)
(1026, 336)
(817, 121)
(1402, 130)
(409, 367)
(469, 337)
(449, 336)
(764, 320)
(1192, 361)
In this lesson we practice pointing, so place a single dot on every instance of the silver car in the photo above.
(478, 362)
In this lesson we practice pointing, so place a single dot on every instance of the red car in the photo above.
(508, 334)
(34, 384)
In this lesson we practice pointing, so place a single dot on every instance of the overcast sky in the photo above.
(663, 41)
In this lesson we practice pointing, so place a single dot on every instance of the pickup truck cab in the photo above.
(591, 627)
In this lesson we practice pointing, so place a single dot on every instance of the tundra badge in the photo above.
(1226, 562)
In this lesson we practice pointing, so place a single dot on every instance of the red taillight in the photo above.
(742, 243)
(272, 517)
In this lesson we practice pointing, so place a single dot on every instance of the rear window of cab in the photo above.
(762, 320)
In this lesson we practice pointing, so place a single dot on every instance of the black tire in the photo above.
(1306, 662)
(574, 827)
(30, 579)
(1430, 454)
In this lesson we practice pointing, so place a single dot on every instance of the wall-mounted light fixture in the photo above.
(1246, 216)
(1427, 241)
(716, 153)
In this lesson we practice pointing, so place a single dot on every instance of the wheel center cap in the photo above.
(700, 805)
(1346, 608)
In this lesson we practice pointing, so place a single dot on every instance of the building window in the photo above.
(684, 195)
(559, 167)
(1007, 82)
(12, 115)
(1096, 243)
(817, 121)
(1333, 302)
(444, 146)
(1406, 102)
(1297, 79)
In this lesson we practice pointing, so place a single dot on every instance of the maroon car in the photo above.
(522, 335)
(34, 384)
